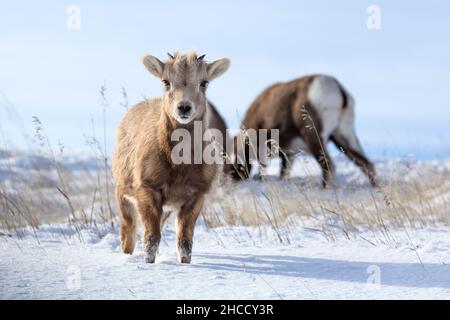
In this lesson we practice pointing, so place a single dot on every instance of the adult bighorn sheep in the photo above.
(308, 112)
(146, 176)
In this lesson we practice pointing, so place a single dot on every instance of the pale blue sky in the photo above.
(398, 75)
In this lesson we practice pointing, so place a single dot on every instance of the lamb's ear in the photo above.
(217, 68)
(153, 65)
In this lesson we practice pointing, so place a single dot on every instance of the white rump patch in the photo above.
(326, 98)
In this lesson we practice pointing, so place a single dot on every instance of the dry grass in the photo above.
(39, 186)
(43, 196)
(46, 190)
(410, 197)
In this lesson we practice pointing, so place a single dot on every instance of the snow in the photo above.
(55, 262)
(61, 261)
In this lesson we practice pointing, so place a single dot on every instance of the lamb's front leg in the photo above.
(150, 208)
(187, 218)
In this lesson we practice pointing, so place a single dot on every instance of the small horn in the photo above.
(201, 57)
(170, 56)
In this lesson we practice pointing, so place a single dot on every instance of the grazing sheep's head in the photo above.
(185, 78)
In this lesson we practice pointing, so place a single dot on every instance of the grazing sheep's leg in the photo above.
(242, 166)
(245, 167)
(318, 149)
(150, 209)
(187, 218)
(246, 170)
(357, 156)
(286, 165)
(127, 222)
(240, 172)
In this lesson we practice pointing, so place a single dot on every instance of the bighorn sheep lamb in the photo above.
(147, 178)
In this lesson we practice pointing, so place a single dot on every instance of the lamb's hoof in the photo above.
(151, 248)
(184, 250)
(186, 260)
(149, 260)
(127, 249)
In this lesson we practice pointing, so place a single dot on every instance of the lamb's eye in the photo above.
(166, 84)
(204, 84)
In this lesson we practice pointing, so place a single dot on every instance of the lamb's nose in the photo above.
(184, 108)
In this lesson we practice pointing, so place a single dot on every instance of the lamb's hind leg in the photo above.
(127, 222)
(187, 218)
(150, 209)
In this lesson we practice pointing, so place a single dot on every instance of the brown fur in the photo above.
(280, 107)
(142, 163)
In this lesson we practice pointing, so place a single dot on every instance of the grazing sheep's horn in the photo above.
(201, 57)
(170, 56)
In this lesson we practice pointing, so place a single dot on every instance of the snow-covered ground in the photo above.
(228, 263)
(232, 260)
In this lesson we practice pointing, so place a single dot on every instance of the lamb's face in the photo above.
(185, 79)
